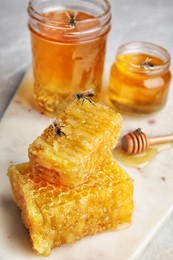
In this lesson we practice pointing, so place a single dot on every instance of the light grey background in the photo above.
(147, 20)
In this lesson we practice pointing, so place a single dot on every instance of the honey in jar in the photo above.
(139, 78)
(68, 49)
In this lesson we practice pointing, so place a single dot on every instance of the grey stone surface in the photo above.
(148, 20)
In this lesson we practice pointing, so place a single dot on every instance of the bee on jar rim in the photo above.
(72, 18)
(85, 96)
(57, 128)
(147, 64)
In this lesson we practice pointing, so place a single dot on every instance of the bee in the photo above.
(57, 128)
(147, 64)
(72, 18)
(138, 131)
(85, 96)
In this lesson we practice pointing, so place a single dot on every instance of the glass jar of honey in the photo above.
(139, 78)
(68, 48)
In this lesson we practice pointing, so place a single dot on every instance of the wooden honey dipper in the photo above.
(137, 142)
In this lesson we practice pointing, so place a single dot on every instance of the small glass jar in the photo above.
(139, 78)
(68, 49)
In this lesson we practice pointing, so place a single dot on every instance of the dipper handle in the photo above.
(137, 142)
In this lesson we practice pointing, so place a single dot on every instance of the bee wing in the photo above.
(71, 14)
(88, 91)
(68, 15)
(148, 59)
(55, 123)
(75, 14)
(91, 91)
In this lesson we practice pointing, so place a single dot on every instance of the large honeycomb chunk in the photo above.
(89, 133)
(55, 214)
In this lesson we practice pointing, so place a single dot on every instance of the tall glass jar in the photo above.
(139, 78)
(68, 49)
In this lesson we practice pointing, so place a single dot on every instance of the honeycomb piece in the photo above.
(56, 214)
(89, 133)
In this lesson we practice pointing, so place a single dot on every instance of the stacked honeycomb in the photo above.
(55, 212)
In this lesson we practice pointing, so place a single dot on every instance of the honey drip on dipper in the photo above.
(137, 149)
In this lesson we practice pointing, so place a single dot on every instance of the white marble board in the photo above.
(153, 185)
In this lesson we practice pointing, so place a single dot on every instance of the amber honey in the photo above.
(139, 78)
(68, 56)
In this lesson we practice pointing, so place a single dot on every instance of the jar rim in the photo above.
(52, 23)
(143, 47)
(83, 30)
